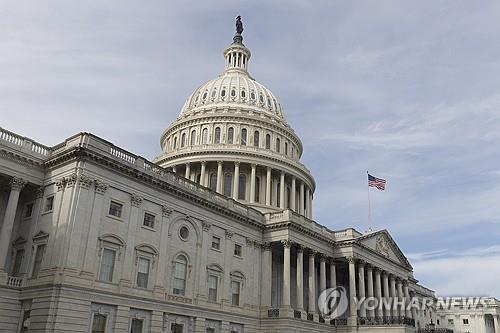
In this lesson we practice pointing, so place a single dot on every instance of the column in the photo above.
(252, 184)
(219, 177)
(306, 209)
(413, 310)
(378, 293)
(322, 273)
(282, 191)
(370, 295)
(311, 205)
(352, 292)
(236, 180)
(202, 173)
(300, 278)
(495, 323)
(188, 170)
(333, 274)
(361, 275)
(265, 298)
(286, 272)
(392, 281)
(16, 185)
(301, 199)
(311, 280)
(268, 187)
(401, 298)
(408, 300)
(292, 195)
(385, 280)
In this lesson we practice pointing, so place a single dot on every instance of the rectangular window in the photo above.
(115, 209)
(149, 220)
(216, 243)
(107, 265)
(210, 330)
(99, 323)
(49, 204)
(237, 250)
(136, 326)
(212, 288)
(235, 291)
(466, 321)
(37, 264)
(176, 328)
(180, 276)
(450, 321)
(142, 272)
(18, 262)
(28, 210)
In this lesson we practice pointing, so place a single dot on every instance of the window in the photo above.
(107, 265)
(99, 323)
(215, 243)
(242, 187)
(210, 330)
(176, 328)
(278, 144)
(437, 321)
(268, 141)
(233, 93)
(28, 210)
(223, 92)
(237, 250)
(217, 135)
(184, 232)
(142, 272)
(450, 321)
(243, 94)
(204, 136)
(49, 204)
(183, 140)
(230, 135)
(235, 292)
(228, 184)
(26, 321)
(180, 275)
(193, 138)
(17, 262)
(37, 264)
(175, 143)
(149, 220)
(212, 288)
(252, 95)
(465, 321)
(213, 181)
(243, 137)
(256, 139)
(136, 325)
(115, 209)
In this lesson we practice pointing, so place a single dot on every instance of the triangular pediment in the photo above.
(383, 244)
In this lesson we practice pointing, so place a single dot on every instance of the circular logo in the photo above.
(333, 302)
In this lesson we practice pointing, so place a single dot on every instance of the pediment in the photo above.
(383, 244)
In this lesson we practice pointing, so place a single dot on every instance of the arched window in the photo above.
(286, 148)
(268, 141)
(243, 136)
(278, 144)
(175, 143)
(256, 138)
(180, 275)
(230, 135)
(183, 140)
(257, 189)
(242, 187)
(243, 94)
(213, 181)
(228, 184)
(204, 136)
(217, 135)
(193, 138)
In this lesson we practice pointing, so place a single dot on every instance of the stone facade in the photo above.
(470, 315)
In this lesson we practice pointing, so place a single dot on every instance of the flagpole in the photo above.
(369, 206)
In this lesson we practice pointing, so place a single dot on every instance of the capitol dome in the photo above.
(231, 136)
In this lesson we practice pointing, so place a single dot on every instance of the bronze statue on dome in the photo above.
(239, 25)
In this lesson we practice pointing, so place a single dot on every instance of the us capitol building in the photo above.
(215, 235)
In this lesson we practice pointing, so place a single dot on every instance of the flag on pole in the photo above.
(376, 182)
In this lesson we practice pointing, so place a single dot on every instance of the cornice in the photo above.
(17, 158)
(300, 228)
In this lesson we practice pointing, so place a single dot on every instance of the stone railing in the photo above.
(386, 321)
(13, 281)
(24, 144)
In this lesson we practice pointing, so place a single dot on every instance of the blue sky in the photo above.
(407, 90)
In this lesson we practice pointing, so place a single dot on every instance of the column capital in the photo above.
(203, 162)
(229, 234)
(286, 243)
(220, 162)
(266, 246)
(135, 200)
(100, 187)
(17, 184)
(166, 211)
(206, 225)
(369, 267)
(253, 165)
(322, 257)
(299, 247)
(351, 259)
(237, 163)
(331, 261)
(312, 253)
(269, 169)
(188, 163)
(361, 262)
(39, 192)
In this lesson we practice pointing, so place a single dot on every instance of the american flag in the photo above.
(376, 182)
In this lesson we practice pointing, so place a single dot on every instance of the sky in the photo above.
(407, 90)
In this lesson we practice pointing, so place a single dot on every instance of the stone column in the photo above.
(311, 205)
(378, 293)
(393, 293)
(268, 187)
(361, 275)
(370, 295)
(282, 191)
(301, 199)
(236, 180)
(188, 170)
(300, 278)
(385, 280)
(414, 310)
(407, 300)
(286, 273)
(312, 290)
(322, 273)
(333, 274)
(352, 292)
(266, 277)
(219, 177)
(252, 184)
(16, 185)
(307, 209)
(401, 298)
(293, 198)
(495, 323)
(202, 173)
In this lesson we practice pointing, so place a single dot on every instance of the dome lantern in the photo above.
(237, 55)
